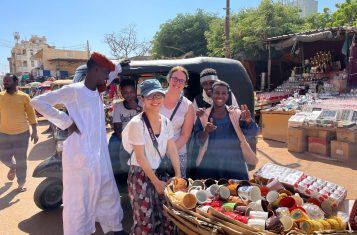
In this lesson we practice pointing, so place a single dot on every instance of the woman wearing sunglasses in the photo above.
(180, 111)
(145, 188)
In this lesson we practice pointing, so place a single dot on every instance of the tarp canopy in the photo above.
(302, 38)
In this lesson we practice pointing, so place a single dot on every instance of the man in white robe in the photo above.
(90, 193)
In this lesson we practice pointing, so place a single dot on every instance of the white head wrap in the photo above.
(208, 78)
(114, 74)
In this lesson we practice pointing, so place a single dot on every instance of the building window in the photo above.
(32, 63)
(25, 63)
(24, 51)
(31, 52)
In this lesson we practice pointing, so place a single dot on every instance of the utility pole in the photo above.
(88, 52)
(227, 50)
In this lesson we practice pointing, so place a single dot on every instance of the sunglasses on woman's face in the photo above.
(177, 80)
(156, 96)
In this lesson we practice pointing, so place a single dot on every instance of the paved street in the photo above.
(19, 214)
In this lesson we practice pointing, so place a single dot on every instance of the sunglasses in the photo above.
(179, 81)
(156, 96)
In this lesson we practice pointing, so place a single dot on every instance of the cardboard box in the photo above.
(312, 132)
(342, 151)
(329, 135)
(296, 140)
(348, 135)
(275, 125)
(319, 146)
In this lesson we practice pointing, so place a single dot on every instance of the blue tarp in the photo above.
(64, 74)
(46, 73)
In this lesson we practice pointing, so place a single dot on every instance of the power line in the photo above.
(5, 45)
(7, 41)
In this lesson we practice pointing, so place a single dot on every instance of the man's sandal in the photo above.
(11, 174)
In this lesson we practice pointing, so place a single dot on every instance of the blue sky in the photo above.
(69, 23)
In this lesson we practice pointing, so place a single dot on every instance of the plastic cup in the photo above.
(258, 214)
(211, 190)
(272, 196)
(257, 223)
(223, 192)
(287, 222)
(288, 202)
(187, 200)
(200, 194)
(260, 205)
(197, 183)
(274, 184)
(251, 193)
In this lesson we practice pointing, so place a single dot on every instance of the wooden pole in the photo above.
(88, 52)
(227, 50)
(269, 66)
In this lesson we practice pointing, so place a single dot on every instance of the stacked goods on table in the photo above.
(271, 97)
(336, 112)
(278, 200)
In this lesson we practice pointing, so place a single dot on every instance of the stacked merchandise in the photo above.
(278, 200)
(294, 103)
(272, 97)
(335, 112)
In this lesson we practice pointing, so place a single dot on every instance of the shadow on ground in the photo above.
(42, 150)
(7, 200)
(307, 156)
(6, 187)
(271, 159)
(351, 163)
(274, 144)
(50, 222)
(44, 222)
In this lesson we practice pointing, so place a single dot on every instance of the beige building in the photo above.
(20, 61)
(307, 7)
(58, 63)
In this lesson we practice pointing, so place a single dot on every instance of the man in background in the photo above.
(16, 113)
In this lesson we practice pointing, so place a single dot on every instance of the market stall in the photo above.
(278, 200)
(323, 69)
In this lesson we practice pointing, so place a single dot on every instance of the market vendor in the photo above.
(218, 129)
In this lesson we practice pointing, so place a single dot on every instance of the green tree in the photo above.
(346, 14)
(318, 20)
(249, 28)
(184, 33)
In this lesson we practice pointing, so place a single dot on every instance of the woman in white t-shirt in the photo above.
(183, 116)
(144, 187)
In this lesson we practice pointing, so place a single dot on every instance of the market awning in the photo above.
(302, 38)
(334, 33)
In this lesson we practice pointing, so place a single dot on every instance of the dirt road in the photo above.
(19, 214)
